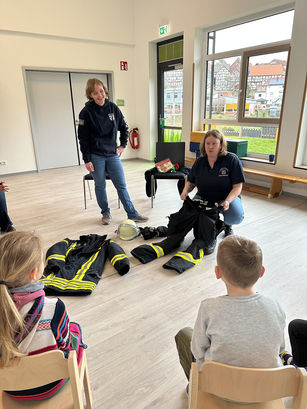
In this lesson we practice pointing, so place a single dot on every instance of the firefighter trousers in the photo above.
(190, 216)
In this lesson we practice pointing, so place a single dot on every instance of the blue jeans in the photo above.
(113, 166)
(235, 213)
(5, 221)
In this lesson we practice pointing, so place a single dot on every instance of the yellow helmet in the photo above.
(128, 230)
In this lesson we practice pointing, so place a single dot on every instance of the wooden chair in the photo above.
(87, 178)
(256, 388)
(36, 370)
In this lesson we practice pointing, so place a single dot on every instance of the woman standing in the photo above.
(99, 122)
(218, 176)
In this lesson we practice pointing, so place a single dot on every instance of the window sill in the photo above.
(258, 160)
(304, 167)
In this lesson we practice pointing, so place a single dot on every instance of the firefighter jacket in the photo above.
(74, 267)
(195, 215)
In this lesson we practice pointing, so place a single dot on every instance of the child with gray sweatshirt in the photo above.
(242, 328)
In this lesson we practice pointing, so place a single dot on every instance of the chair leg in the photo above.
(89, 189)
(87, 388)
(84, 194)
(152, 189)
(75, 382)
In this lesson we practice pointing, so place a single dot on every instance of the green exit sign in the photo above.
(163, 30)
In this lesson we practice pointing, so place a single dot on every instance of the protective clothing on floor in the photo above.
(194, 215)
(74, 267)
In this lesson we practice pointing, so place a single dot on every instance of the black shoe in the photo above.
(228, 230)
(210, 249)
(8, 228)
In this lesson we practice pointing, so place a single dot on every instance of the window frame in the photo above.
(301, 138)
(243, 82)
(244, 54)
(283, 45)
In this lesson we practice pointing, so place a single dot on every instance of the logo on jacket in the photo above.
(223, 172)
(111, 117)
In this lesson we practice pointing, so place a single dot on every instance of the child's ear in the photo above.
(33, 274)
(262, 271)
(218, 272)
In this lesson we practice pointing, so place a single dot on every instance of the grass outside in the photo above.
(172, 135)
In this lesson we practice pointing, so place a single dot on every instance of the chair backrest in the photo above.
(249, 385)
(33, 371)
(173, 150)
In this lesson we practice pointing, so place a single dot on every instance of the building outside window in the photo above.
(245, 71)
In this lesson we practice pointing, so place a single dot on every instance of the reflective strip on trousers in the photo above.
(189, 257)
(159, 250)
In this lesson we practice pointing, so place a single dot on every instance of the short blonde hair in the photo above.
(90, 86)
(240, 260)
(218, 135)
(20, 254)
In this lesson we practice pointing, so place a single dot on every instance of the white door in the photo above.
(52, 120)
(78, 83)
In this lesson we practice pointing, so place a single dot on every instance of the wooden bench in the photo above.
(276, 184)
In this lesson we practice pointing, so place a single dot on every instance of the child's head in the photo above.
(20, 254)
(240, 261)
(20, 263)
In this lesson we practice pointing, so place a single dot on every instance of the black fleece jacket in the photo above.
(97, 130)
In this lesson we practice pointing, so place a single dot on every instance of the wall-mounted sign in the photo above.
(163, 30)
(123, 65)
(120, 102)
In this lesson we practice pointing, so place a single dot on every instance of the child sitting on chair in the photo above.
(30, 323)
(241, 328)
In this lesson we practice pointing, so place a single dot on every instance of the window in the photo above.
(245, 81)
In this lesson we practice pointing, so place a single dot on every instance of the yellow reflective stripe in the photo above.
(81, 272)
(159, 250)
(190, 258)
(65, 241)
(72, 246)
(56, 257)
(185, 256)
(117, 257)
(69, 284)
(61, 257)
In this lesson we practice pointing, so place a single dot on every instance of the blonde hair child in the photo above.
(31, 323)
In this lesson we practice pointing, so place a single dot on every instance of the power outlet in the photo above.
(3, 162)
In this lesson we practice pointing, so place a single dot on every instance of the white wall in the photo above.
(22, 49)
(99, 20)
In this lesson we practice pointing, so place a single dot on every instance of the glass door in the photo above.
(170, 90)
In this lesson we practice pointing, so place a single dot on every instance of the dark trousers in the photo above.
(298, 339)
(189, 217)
(5, 221)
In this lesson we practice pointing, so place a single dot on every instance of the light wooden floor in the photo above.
(129, 322)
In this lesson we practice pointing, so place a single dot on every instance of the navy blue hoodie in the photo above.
(97, 130)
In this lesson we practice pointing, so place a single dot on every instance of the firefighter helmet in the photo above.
(128, 230)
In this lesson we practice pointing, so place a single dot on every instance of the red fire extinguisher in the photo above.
(134, 138)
